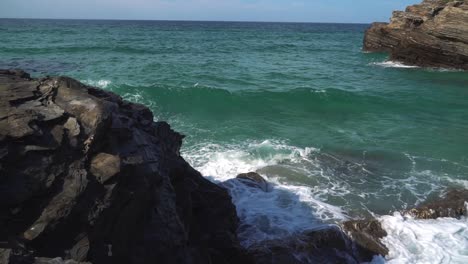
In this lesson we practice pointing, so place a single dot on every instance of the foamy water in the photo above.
(98, 83)
(284, 210)
(397, 64)
(288, 208)
(442, 240)
(393, 64)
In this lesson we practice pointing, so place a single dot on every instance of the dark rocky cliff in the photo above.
(431, 34)
(87, 176)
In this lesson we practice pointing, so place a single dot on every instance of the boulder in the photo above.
(88, 177)
(253, 179)
(366, 235)
(327, 245)
(433, 33)
(451, 204)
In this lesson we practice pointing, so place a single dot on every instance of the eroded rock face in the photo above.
(329, 245)
(451, 204)
(87, 176)
(433, 33)
(367, 234)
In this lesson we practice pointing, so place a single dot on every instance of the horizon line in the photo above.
(188, 20)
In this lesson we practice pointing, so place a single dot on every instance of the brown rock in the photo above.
(367, 234)
(431, 34)
(329, 245)
(72, 126)
(253, 179)
(451, 204)
(104, 166)
(73, 130)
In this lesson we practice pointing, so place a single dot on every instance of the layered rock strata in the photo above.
(433, 33)
(87, 176)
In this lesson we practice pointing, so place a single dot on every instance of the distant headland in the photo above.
(431, 34)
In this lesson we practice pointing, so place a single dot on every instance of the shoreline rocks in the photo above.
(451, 204)
(89, 177)
(433, 33)
(367, 234)
(354, 241)
(86, 177)
(332, 244)
(254, 180)
(328, 245)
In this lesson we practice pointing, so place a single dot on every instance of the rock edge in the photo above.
(87, 176)
(433, 33)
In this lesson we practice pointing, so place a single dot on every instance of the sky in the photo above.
(344, 11)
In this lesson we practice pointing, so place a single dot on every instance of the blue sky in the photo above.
(227, 10)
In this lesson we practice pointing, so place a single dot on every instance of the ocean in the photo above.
(339, 133)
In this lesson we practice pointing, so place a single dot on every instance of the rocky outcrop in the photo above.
(254, 180)
(367, 234)
(328, 245)
(87, 176)
(433, 33)
(451, 204)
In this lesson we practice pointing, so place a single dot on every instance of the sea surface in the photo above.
(339, 133)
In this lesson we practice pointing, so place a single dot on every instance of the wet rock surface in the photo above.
(433, 33)
(451, 204)
(88, 177)
(254, 180)
(355, 241)
(329, 245)
(367, 234)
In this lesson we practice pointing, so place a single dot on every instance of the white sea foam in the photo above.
(443, 240)
(393, 64)
(135, 97)
(98, 83)
(289, 207)
(284, 210)
(460, 183)
(222, 163)
(397, 64)
(138, 97)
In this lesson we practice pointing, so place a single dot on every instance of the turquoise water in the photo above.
(340, 133)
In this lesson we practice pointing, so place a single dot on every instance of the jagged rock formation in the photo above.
(87, 176)
(367, 234)
(254, 180)
(327, 245)
(433, 33)
(451, 204)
